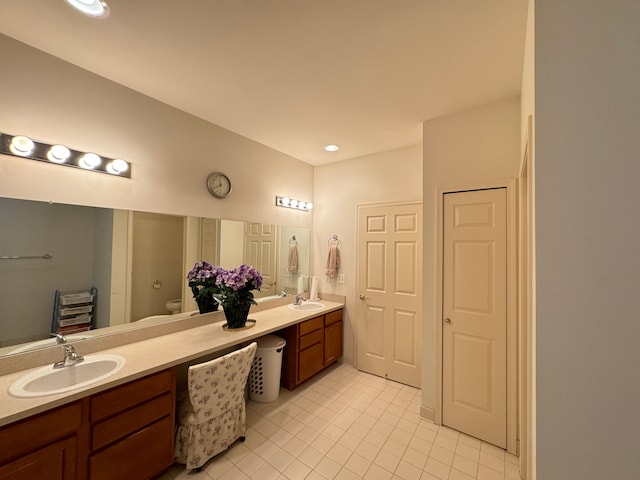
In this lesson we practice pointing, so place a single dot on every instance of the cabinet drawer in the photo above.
(310, 361)
(54, 462)
(311, 325)
(310, 339)
(333, 317)
(121, 398)
(126, 423)
(139, 456)
(32, 433)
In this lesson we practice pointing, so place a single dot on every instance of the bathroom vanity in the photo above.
(312, 346)
(123, 426)
(94, 438)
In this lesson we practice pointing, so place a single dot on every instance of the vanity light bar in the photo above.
(25, 147)
(287, 202)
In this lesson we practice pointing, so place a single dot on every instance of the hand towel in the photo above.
(293, 258)
(333, 261)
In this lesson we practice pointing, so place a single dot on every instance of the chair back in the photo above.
(219, 384)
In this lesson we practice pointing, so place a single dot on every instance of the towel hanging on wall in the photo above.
(333, 261)
(293, 258)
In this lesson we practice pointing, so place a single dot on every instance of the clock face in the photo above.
(219, 185)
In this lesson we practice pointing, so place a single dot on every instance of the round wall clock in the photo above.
(219, 185)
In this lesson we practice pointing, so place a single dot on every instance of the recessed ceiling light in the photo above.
(93, 8)
(332, 148)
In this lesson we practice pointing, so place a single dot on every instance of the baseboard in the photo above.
(427, 413)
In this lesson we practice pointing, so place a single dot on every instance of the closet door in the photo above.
(474, 314)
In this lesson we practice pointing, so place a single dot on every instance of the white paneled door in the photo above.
(260, 252)
(389, 272)
(474, 314)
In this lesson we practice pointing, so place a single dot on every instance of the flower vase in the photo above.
(237, 314)
(206, 304)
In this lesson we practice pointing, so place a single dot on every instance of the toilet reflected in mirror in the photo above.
(174, 306)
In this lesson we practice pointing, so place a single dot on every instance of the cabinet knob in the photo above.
(363, 296)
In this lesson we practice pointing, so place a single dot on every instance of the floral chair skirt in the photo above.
(197, 443)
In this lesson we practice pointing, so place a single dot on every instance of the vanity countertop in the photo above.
(155, 354)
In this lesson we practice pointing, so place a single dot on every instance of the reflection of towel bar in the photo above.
(22, 257)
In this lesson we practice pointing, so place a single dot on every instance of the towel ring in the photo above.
(334, 240)
(292, 241)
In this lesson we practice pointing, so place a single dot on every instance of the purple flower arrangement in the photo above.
(233, 289)
(202, 280)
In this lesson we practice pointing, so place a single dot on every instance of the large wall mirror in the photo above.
(136, 261)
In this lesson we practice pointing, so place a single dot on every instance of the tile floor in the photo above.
(347, 425)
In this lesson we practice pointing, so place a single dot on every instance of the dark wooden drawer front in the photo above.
(310, 339)
(35, 432)
(55, 462)
(311, 325)
(122, 398)
(130, 421)
(140, 456)
(333, 317)
(310, 361)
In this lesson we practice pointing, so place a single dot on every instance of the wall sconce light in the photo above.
(287, 202)
(21, 146)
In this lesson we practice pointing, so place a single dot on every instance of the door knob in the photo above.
(447, 320)
(363, 296)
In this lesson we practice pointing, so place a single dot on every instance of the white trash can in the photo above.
(264, 378)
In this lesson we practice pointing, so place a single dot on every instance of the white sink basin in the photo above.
(307, 306)
(50, 381)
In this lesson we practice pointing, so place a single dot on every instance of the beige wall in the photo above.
(587, 107)
(465, 148)
(391, 176)
(172, 152)
(527, 112)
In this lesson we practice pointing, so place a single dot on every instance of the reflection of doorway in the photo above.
(260, 252)
(156, 263)
(389, 320)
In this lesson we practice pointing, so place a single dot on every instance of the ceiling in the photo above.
(295, 75)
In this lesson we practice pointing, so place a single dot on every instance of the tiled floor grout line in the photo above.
(346, 425)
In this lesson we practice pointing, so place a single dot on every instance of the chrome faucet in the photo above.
(299, 300)
(60, 339)
(70, 357)
(282, 294)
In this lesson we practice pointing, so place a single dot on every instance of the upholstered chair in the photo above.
(211, 413)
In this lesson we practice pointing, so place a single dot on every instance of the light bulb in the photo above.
(58, 154)
(301, 205)
(89, 161)
(332, 148)
(309, 205)
(93, 8)
(117, 166)
(21, 145)
(294, 203)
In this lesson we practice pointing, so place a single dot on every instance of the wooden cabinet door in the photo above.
(310, 361)
(332, 343)
(53, 462)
